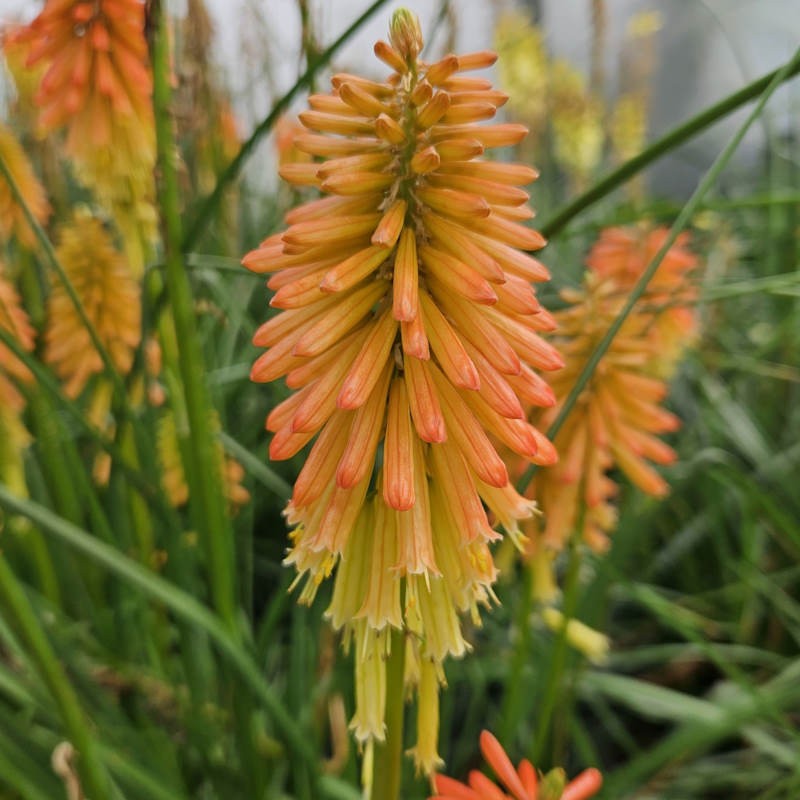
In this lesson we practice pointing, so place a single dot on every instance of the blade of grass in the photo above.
(17, 608)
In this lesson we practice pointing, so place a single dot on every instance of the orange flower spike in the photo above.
(391, 324)
(109, 294)
(97, 84)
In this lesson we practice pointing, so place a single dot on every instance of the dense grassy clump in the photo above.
(150, 646)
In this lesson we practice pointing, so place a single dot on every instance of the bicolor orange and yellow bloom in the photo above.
(97, 84)
(622, 255)
(410, 334)
(522, 783)
(618, 418)
(109, 295)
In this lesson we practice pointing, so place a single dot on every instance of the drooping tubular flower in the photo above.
(522, 783)
(618, 417)
(410, 333)
(97, 84)
(12, 217)
(109, 295)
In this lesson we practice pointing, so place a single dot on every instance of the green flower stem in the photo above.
(513, 707)
(388, 774)
(16, 608)
(202, 468)
(675, 137)
(687, 212)
(555, 671)
(233, 169)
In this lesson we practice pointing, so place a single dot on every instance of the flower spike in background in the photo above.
(522, 783)
(410, 334)
(97, 84)
(618, 417)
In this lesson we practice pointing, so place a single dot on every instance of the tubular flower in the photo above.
(12, 216)
(622, 254)
(97, 83)
(410, 334)
(173, 477)
(110, 297)
(522, 783)
(617, 418)
(14, 320)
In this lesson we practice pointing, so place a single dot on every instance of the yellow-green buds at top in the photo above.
(405, 34)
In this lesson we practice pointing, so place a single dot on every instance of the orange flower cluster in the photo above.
(409, 333)
(110, 297)
(618, 418)
(97, 83)
(622, 255)
(12, 217)
(522, 783)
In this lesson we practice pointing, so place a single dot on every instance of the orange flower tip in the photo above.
(497, 758)
(552, 360)
(400, 498)
(453, 203)
(257, 261)
(348, 398)
(300, 174)
(496, 474)
(389, 130)
(478, 60)
(425, 161)
(391, 225)
(404, 311)
(459, 149)
(440, 71)
(545, 321)
(255, 374)
(421, 93)
(584, 786)
(386, 53)
(546, 454)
